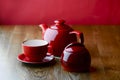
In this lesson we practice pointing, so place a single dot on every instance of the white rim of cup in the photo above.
(35, 43)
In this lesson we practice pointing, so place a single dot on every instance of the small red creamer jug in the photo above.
(76, 58)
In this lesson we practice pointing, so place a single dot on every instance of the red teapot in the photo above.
(59, 36)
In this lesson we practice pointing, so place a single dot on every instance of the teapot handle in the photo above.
(80, 36)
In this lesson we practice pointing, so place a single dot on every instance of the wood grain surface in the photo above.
(103, 43)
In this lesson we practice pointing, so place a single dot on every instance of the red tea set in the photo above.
(58, 40)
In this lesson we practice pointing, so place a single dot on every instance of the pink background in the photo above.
(73, 11)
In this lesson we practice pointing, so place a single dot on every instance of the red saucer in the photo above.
(47, 59)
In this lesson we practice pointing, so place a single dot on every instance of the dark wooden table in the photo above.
(103, 43)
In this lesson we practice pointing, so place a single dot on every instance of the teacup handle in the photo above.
(50, 49)
(79, 35)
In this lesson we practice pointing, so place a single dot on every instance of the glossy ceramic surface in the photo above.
(59, 36)
(76, 58)
(35, 50)
(24, 59)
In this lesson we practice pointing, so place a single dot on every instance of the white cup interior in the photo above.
(35, 43)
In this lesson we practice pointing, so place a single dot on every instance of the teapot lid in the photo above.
(60, 25)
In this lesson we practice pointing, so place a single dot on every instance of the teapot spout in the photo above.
(43, 27)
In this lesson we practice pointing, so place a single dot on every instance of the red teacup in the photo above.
(35, 50)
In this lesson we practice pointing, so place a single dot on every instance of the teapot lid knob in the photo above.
(59, 21)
